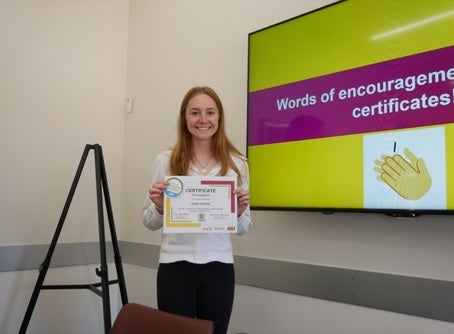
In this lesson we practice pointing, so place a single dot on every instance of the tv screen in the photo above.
(351, 108)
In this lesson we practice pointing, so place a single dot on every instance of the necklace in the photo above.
(203, 169)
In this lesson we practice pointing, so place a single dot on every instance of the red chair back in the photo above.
(135, 318)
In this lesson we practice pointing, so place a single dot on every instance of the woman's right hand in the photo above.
(156, 194)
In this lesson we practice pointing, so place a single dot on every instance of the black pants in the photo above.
(203, 291)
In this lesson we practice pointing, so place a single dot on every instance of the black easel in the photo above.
(102, 272)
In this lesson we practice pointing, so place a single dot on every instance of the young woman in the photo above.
(196, 275)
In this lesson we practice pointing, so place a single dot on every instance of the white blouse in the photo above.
(194, 247)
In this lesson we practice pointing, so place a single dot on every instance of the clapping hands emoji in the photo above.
(407, 177)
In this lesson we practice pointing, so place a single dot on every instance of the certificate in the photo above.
(194, 204)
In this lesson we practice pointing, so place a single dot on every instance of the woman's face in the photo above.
(202, 117)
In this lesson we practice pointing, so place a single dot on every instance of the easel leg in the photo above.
(113, 233)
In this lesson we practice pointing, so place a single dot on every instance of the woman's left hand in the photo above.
(242, 196)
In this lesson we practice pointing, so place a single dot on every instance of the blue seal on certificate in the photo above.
(175, 187)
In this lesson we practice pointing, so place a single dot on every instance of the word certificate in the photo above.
(194, 204)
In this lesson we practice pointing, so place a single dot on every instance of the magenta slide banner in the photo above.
(402, 93)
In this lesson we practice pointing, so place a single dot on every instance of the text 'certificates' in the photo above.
(195, 204)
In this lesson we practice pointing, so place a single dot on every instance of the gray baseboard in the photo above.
(26, 257)
(423, 297)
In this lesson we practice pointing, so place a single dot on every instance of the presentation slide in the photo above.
(351, 107)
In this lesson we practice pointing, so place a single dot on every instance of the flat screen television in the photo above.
(351, 108)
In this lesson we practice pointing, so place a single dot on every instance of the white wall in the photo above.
(56, 311)
(259, 311)
(62, 82)
(65, 69)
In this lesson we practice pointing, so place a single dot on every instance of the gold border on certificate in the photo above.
(194, 204)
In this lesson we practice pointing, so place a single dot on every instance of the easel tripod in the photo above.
(102, 272)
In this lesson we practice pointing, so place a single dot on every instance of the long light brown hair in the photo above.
(221, 145)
